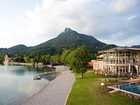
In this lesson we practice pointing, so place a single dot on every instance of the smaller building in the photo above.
(98, 66)
(6, 60)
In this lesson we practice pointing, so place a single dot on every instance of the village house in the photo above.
(7, 60)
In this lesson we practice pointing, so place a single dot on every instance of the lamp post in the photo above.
(102, 85)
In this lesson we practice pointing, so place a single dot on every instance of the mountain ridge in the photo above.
(68, 39)
(136, 46)
(15, 50)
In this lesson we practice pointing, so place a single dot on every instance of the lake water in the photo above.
(17, 84)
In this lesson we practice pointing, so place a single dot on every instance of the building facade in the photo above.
(122, 60)
(98, 66)
(6, 60)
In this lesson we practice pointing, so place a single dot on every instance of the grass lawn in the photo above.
(88, 91)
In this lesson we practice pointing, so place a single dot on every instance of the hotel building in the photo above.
(123, 60)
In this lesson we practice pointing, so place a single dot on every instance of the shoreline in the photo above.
(54, 92)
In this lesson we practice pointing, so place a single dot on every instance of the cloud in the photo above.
(108, 20)
(124, 6)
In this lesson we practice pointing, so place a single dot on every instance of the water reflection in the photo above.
(17, 85)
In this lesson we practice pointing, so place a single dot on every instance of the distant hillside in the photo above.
(15, 50)
(69, 39)
(136, 46)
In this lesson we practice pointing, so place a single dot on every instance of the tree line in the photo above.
(76, 59)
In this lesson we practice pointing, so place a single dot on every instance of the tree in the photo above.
(42, 58)
(47, 59)
(69, 57)
(64, 55)
(1, 58)
(32, 60)
(26, 59)
(37, 58)
(55, 59)
(18, 59)
(93, 56)
(78, 60)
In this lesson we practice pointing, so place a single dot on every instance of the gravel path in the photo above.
(56, 91)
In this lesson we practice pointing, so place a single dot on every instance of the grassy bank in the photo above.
(88, 91)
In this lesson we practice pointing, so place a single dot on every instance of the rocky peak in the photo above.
(68, 29)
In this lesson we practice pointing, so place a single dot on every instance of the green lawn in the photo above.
(88, 91)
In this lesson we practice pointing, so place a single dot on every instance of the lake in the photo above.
(17, 84)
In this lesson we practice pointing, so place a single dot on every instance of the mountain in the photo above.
(69, 39)
(136, 46)
(15, 50)
(3, 50)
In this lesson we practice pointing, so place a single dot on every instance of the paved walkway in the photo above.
(56, 91)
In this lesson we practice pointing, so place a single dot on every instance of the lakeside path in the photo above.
(56, 91)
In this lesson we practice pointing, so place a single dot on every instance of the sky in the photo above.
(32, 22)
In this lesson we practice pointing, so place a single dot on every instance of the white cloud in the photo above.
(109, 20)
(122, 6)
